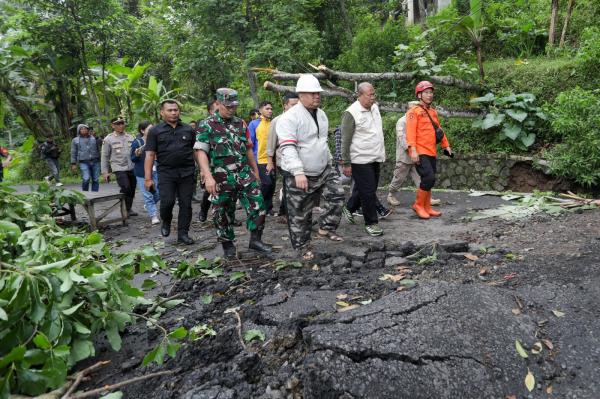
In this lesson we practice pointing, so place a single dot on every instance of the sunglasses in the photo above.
(119, 123)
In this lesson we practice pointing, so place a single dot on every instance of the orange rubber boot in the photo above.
(428, 208)
(419, 205)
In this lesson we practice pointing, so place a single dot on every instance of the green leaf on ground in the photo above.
(254, 334)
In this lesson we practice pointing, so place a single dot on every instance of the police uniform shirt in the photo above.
(174, 147)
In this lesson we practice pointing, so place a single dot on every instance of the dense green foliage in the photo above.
(576, 123)
(58, 289)
(64, 62)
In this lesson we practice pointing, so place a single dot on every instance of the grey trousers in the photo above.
(401, 172)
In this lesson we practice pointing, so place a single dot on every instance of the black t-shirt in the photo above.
(174, 148)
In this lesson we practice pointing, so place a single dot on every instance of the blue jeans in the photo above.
(90, 169)
(150, 199)
(53, 166)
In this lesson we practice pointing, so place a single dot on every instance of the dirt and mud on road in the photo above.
(430, 310)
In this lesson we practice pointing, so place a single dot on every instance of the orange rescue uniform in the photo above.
(420, 133)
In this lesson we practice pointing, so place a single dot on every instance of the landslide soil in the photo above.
(533, 266)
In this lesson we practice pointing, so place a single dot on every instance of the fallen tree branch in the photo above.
(383, 106)
(446, 113)
(80, 376)
(108, 388)
(239, 324)
(279, 75)
(365, 76)
(328, 92)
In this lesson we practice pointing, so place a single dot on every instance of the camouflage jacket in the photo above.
(225, 142)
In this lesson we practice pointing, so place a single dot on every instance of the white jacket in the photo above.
(304, 148)
(367, 141)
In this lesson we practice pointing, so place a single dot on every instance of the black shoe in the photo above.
(257, 244)
(131, 213)
(184, 239)
(202, 216)
(165, 228)
(383, 212)
(228, 249)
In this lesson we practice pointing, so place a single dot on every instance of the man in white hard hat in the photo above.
(307, 170)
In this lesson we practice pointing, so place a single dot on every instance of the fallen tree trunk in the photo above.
(327, 73)
(327, 92)
(383, 106)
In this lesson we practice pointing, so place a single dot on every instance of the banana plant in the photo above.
(152, 95)
(472, 26)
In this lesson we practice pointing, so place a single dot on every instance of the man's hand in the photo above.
(414, 156)
(270, 167)
(138, 151)
(74, 168)
(148, 184)
(301, 182)
(106, 177)
(448, 152)
(257, 175)
(347, 170)
(210, 184)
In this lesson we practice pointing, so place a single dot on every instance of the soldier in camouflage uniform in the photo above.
(224, 153)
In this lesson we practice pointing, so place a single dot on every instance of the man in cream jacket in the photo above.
(362, 154)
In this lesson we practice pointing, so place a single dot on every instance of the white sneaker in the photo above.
(155, 220)
(59, 184)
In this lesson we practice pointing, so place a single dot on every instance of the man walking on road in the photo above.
(50, 152)
(362, 154)
(423, 133)
(84, 151)
(224, 153)
(171, 143)
(404, 165)
(308, 174)
(116, 150)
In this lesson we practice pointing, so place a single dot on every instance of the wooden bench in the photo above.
(98, 197)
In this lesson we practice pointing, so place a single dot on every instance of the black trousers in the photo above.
(173, 187)
(364, 191)
(267, 186)
(426, 168)
(126, 180)
(282, 205)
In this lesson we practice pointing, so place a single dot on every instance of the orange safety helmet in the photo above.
(422, 86)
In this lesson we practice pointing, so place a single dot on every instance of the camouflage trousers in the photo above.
(401, 172)
(300, 204)
(232, 186)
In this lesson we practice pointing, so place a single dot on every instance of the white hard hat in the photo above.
(308, 84)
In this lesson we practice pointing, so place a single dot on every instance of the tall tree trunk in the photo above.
(27, 114)
(552, 30)
(85, 72)
(566, 24)
(347, 26)
(479, 60)
(252, 84)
